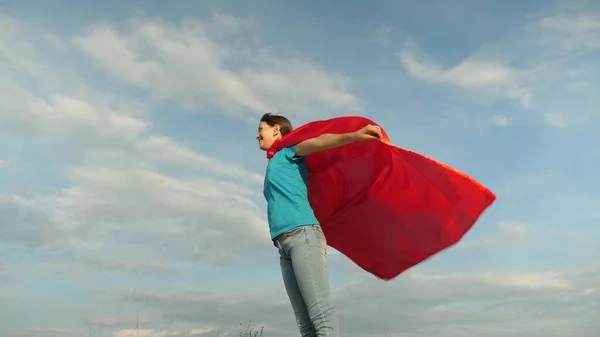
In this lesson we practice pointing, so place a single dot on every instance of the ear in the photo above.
(276, 130)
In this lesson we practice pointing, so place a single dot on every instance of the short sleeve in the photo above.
(290, 153)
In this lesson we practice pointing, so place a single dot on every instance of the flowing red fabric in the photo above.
(385, 208)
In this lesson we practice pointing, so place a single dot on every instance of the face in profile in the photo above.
(267, 135)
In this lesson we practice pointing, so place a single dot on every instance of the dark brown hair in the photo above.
(285, 126)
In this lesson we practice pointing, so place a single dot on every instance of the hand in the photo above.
(369, 132)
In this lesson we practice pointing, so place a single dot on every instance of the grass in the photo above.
(248, 331)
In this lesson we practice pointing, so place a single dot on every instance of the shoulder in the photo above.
(289, 153)
(290, 150)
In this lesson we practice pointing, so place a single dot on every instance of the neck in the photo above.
(271, 151)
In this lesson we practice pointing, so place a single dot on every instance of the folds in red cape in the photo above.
(386, 208)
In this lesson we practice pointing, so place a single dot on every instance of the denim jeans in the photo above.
(303, 259)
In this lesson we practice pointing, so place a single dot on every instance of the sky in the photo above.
(131, 182)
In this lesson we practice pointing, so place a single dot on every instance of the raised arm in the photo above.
(329, 140)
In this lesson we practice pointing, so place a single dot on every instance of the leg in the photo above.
(303, 321)
(308, 252)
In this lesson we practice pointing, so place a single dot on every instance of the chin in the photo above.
(263, 145)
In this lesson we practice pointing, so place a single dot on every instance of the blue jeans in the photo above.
(303, 259)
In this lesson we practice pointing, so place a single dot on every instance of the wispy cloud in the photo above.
(509, 234)
(382, 35)
(535, 68)
(47, 332)
(449, 304)
(119, 187)
(487, 78)
(158, 333)
(193, 63)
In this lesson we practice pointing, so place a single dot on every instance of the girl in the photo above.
(293, 226)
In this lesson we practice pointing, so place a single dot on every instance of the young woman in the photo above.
(294, 228)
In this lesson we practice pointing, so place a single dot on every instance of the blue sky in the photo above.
(128, 163)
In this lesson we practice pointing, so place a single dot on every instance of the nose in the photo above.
(257, 136)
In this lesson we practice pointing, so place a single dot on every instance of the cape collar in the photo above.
(273, 149)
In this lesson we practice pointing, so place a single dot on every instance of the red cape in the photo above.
(386, 208)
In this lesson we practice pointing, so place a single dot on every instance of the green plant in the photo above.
(249, 331)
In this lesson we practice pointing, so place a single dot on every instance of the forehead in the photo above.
(263, 125)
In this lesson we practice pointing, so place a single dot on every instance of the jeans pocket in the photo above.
(320, 237)
(319, 232)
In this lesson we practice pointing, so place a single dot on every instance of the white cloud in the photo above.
(43, 114)
(514, 228)
(509, 234)
(115, 170)
(70, 117)
(518, 280)
(55, 42)
(545, 66)
(22, 221)
(487, 78)
(99, 324)
(120, 264)
(113, 209)
(574, 31)
(382, 35)
(492, 304)
(500, 120)
(195, 63)
(198, 216)
(19, 54)
(156, 333)
(47, 332)
(583, 22)
(159, 149)
(556, 119)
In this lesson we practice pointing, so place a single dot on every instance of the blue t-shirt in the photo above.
(285, 189)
